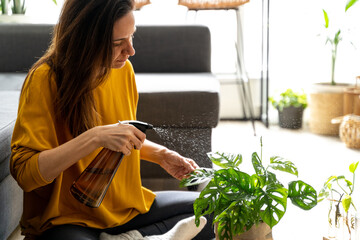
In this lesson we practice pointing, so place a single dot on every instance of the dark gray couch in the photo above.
(177, 94)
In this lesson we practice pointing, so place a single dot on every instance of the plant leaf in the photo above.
(198, 176)
(326, 18)
(235, 185)
(323, 194)
(346, 201)
(353, 166)
(257, 164)
(277, 163)
(272, 202)
(302, 195)
(235, 219)
(225, 160)
(349, 4)
(206, 202)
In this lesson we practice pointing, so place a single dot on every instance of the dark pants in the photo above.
(168, 208)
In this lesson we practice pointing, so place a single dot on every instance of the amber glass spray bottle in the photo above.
(91, 186)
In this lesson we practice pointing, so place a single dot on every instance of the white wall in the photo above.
(298, 55)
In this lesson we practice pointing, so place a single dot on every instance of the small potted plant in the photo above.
(241, 201)
(338, 190)
(290, 106)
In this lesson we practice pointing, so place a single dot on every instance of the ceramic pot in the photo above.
(291, 117)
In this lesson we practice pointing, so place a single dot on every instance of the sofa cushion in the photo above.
(172, 49)
(186, 100)
(8, 110)
(11, 206)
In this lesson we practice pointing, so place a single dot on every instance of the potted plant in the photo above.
(338, 190)
(290, 106)
(241, 201)
(18, 6)
(326, 98)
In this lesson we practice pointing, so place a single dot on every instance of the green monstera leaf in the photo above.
(235, 185)
(225, 160)
(272, 203)
(199, 176)
(278, 163)
(302, 195)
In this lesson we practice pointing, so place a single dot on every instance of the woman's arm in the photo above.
(116, 137)
(175, 164)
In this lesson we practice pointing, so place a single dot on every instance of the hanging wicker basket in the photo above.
(211, 4)
(140, 3)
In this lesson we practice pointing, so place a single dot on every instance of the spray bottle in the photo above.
(91, 186)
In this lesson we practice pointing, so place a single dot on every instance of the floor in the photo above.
(316, 156)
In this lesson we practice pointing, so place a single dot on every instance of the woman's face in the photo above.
(123, 32)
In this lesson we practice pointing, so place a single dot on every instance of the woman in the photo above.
(69, 107)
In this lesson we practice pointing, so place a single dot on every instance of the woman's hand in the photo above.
(117, 137)
(120, 137)
(177, 165)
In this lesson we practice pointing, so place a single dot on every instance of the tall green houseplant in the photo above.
(335, 39)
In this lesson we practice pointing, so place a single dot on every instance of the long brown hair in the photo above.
(80, 57)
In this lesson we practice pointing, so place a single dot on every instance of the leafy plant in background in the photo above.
(339, 190)
(4, 6)
(289, 98)
(239, 200)
(335, 39)
(17, 8)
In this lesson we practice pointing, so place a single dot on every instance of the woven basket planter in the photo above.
(211, 4)
(326, 103)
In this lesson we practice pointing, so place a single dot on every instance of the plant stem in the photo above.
(261, 145)
(347, 224)
(19, 6)
(337, 181)
(337, 211)
(333, 60)
(4, 6)
(353, 184)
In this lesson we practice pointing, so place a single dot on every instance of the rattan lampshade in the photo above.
(211, 4)
(140, 3)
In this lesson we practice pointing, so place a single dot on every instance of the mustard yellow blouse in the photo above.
(50, 203)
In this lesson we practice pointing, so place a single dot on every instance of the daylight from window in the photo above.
(299, 54)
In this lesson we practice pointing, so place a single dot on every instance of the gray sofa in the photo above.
(178, 94)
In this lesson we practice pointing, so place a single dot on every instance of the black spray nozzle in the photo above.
(142, 126)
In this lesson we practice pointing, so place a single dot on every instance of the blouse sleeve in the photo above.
(34, 130)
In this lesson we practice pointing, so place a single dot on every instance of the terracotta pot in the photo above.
(260, 232)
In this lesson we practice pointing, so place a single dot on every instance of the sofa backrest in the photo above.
(22, 44)
(185, 48)
(172, 49)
